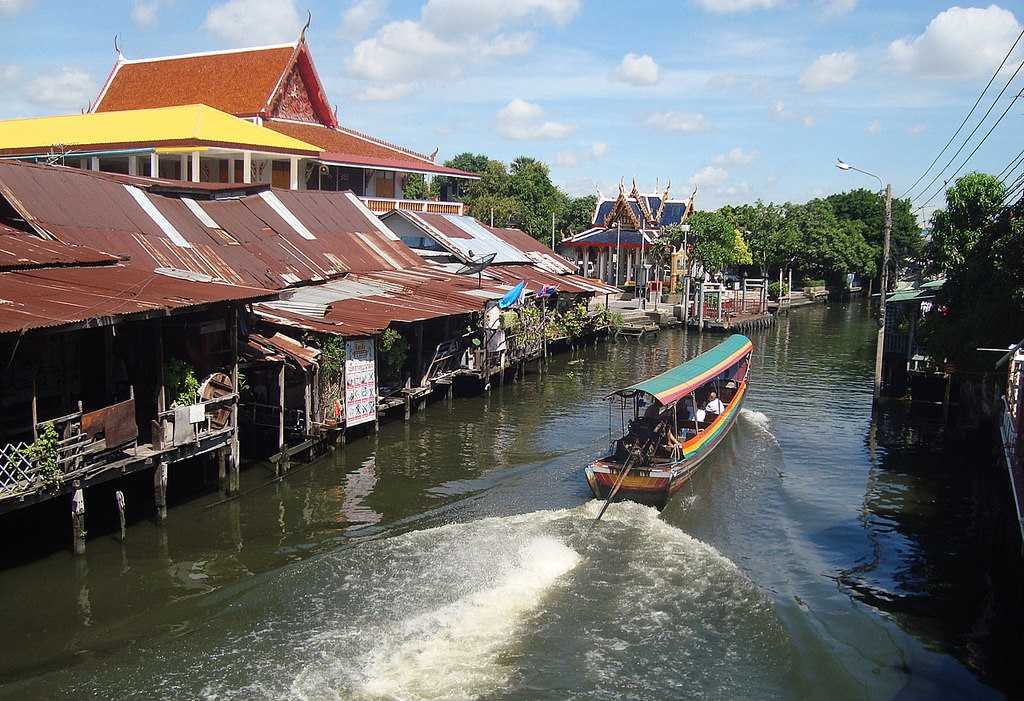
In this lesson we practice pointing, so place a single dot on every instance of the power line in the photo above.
(1011, 166)
(959, 128)
(971, 135)
(980, 143)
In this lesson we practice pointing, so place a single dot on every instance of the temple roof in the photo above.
(639, 210)
(348, 147)
(242, 82)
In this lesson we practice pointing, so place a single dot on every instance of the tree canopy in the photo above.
(868, 207)
(970, 205)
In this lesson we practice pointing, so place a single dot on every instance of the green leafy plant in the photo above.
(774, 290)
(181, 383)
(42, 452)
(393, 351)
(812, 282)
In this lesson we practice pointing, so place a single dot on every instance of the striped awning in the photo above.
(685, 378)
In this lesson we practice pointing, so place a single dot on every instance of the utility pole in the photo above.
(880, 344)
(552, 230)
(887, 234)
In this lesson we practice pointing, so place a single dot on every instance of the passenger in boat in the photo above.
(714, 405)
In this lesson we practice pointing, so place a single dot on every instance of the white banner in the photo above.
(360, 382)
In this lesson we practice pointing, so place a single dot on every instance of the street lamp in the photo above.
(842, 165)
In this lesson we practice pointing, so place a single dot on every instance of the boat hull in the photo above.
(654, 486)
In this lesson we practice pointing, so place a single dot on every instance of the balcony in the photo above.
(383, 205)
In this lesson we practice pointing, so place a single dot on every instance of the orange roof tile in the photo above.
(237, 82)
(347, 146)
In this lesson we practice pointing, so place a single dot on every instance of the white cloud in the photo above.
(360, 16)
(709, 176)
(737, 5)
(461, 17)
(9, 8)
(144, 13)
(403, 50)
(386, 92)
(598, 149)
(780, 110)
(736, 156)
(830, 71)
(522, 120)
(566, 159)
(875, 127)
(958, 43)
(249, 22)
(688, 122)
(837, 8)
(68, 88)
(9, 73)
(917, 129)
(637, 70)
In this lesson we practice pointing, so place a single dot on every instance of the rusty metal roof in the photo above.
(272, 239)
(366, 304)
(279, 347)
(21, 251)
(56, 297)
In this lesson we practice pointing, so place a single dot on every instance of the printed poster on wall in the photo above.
(360, 382)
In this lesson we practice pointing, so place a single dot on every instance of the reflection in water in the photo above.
(455, 556)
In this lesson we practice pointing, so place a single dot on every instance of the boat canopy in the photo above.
(695, 372)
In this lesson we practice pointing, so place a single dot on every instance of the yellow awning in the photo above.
(168, 127)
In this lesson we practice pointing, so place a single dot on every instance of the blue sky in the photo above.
(746, 98)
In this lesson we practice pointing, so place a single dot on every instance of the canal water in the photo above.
(456, 557)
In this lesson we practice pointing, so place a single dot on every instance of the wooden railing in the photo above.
(83, 441)
(202, 419)
(383, 205)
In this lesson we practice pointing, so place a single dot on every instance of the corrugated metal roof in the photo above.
(53, 297)
(21, 251)
(366, 304)
(466, 237)
(252, 245)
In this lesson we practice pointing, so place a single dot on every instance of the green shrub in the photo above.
(43, 453)
(180, 382)
(812, 282)
(774, 290)
(393, 351)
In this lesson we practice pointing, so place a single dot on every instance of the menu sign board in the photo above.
(360, 382)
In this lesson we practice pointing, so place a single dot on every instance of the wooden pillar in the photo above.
(119, 503)
(419, 355)
(160, 490)
(78, 519)
(246, 166)
(234, 479)
(222, 471)
(236, 455)
(282, 461)
(700, 306)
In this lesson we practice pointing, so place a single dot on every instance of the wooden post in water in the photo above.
(119, 502)
(222, 470)
(282, 460)
(78, 519)
(160, 490)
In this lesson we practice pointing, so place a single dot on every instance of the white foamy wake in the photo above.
(756, 418)
(453, 652)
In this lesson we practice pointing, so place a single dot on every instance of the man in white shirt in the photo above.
(714, 405)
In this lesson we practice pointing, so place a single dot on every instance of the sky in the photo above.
(743, 99)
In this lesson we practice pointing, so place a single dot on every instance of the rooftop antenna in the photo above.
(309, 19)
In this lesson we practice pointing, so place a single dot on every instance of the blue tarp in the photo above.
(513, 296)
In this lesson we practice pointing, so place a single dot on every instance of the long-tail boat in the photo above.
(679, 418)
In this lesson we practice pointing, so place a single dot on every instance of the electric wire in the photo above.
(980, 143)
(960, 128)
(971, 135)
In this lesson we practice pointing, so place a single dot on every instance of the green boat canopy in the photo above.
(672, 384)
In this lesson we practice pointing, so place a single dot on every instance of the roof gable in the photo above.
(244, 82)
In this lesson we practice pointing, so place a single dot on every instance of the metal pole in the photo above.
(618, 250)
(643, 273)
(880, 342)
(552, 230)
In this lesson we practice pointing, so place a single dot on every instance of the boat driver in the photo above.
(714, 405)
